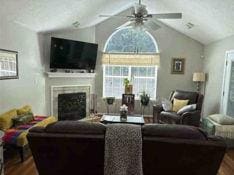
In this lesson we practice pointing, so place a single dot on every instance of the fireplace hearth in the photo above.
(72, 106)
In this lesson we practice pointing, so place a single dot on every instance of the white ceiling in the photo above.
(212, 19)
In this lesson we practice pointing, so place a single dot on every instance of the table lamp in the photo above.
(199, 77)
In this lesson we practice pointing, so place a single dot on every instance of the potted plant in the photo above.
(145, 99)
(109, 101)
(128, 86)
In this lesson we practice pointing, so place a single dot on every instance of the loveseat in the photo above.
(16, 123)
(68, 147)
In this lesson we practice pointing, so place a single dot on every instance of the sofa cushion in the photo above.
(6, 119)
(222, 119)
(22, 138)
(187, 108)
(24, 110)
(182, 95)
(76, 127)
(173, 131)
(166, 104)
(169, 117)
(178, 104)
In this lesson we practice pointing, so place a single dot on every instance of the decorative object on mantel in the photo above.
(109, 101)
(8, 64)
(177, 65)
(123, 112)
(199, 77)
(145, 99)
(127, 86)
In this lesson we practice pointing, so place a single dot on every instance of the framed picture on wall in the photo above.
(8, 64)
(177, 65)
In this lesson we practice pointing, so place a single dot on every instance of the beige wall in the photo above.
(30, 87)
(171, 44)
(214, 67)
(86, 35)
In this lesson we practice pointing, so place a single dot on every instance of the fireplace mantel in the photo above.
(70, 75)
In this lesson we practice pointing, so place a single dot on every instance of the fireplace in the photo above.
(63, 97)
(71, 106)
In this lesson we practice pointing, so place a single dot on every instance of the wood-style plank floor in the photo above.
(227, 166)
(14, 167)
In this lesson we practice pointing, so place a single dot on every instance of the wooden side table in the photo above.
(129, 101)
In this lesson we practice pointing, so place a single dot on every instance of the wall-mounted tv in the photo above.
(70, 54)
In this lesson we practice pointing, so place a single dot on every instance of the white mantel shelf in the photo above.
(70, 75)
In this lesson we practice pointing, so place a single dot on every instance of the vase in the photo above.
(123, 115)
(128, 89)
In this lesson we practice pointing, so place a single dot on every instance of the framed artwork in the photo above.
(8, 64)
(177, 65)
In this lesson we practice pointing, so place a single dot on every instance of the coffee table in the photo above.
(131, 119)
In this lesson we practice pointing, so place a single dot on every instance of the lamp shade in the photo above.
(199, 76)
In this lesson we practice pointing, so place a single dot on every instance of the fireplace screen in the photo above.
(71, 106)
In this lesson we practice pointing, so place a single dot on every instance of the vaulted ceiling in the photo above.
(212, 19)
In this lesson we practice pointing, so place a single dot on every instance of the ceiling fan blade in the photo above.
(129, 23)
(167, 16)
(113, 16)
(152, 25)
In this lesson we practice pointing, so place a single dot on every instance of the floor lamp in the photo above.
(198, 77)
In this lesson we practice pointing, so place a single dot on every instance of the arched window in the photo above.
(131, 40)
(143, 78)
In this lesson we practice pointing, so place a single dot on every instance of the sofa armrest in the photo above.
(157, 109)
(191, 118)
(37, 129)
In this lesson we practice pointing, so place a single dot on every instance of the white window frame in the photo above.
(129, 77)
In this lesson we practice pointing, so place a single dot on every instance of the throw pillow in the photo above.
(24, 110)
(178, 104)
(187, 108)
(166, 104)
(222, 119)
(22, 119)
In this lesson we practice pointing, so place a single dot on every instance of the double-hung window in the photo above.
(143, 78)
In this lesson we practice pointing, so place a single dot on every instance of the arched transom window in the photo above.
(131, 40)
(142, 77)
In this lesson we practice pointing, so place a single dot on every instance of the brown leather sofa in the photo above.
(72, 147)
(188, 118)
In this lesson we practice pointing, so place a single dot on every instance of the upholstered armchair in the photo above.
(187, 118)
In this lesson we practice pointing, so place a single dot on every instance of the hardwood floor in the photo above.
(14, 167)
(227, 166)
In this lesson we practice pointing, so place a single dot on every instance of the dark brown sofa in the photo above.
(70, 147)
(188, 118)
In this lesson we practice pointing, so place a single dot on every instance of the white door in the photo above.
(228, 85)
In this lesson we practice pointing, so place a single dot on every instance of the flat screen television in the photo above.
(70, 54)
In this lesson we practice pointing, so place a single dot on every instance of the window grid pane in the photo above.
(143, 79)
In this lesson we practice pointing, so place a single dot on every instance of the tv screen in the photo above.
(69, 54)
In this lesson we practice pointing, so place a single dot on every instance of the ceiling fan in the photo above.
(140, 17)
